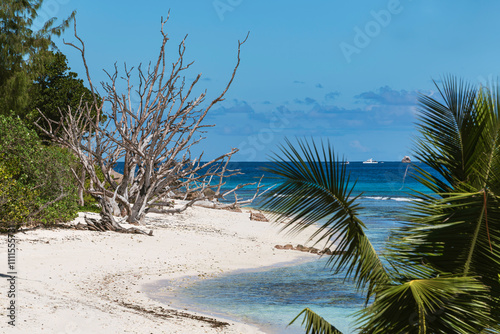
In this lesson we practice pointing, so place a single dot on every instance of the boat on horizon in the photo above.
(370, 161)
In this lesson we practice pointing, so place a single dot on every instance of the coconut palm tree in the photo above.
(440, 272)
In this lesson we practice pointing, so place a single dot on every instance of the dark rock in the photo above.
(192, 196)
(209, 194)
(300, 248)
(312, 250)
(257, 216)
(326, 251)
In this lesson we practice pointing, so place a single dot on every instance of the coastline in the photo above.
(72, 281)
(170, 292)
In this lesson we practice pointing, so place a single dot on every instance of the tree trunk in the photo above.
(113, 206)
(108, 222)
(138, 211)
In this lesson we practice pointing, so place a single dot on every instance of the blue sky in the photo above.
(347, 71)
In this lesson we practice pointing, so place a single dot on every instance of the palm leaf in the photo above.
(435, 305)
(444, 264)
(457, 228)
(450, 130)
(314, 324)
(488, 166)
(315, 190)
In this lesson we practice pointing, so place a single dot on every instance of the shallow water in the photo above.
(271, 298)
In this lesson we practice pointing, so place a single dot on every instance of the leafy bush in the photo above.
(36, 182)
(54, 165)
(15, 201)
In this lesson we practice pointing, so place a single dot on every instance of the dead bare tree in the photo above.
(154, 138)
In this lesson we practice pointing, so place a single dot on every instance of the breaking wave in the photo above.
(398, 199)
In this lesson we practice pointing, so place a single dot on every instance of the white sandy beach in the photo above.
(73, 281)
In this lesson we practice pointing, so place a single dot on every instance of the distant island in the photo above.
(406, 159)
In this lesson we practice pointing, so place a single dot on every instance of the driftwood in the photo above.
(104, 224)
(154, 137)
(107, 224)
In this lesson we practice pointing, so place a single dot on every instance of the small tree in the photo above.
(154, 139)
(54, 86)
(23, 51)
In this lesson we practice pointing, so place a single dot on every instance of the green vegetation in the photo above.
(36, 182)
(439, 274)
(23, 52)
(37, 185)
(56, 89)
(15, 201)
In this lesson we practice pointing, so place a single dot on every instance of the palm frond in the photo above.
(316, 190)
(450, 130)
(440, 272)
(434, 305)
(488, 166)
(458, 233)
(314, 324)
(456, 229)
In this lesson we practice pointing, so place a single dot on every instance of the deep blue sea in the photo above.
(271, 298)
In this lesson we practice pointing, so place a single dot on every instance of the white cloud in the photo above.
(358, 146)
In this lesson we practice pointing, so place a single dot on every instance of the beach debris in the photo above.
(257, 216)
(104, 224)
(162, 312)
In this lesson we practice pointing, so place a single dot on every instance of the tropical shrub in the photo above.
(36, 182)
(15, 202)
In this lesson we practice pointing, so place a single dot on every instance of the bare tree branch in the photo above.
(154, 138)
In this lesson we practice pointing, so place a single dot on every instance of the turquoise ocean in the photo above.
(272, 297)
